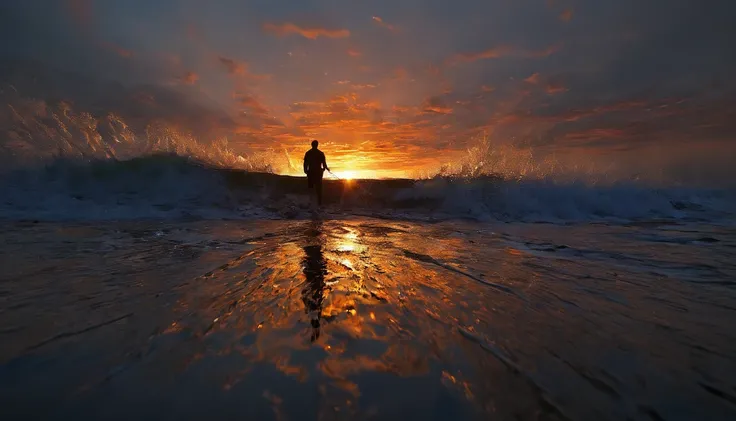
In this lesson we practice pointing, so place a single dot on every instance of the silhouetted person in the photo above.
(315, 269)
(314, 167)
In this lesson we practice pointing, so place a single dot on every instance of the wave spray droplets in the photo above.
(36, 133)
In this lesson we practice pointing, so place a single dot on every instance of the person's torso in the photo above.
(314, 159)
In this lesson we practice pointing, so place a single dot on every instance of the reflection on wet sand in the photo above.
(374, 320)
(315, 269)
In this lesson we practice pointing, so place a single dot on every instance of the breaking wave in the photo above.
(61, 163)
(173, 186)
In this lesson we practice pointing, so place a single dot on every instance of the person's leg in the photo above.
(310, 185)
(318, 187)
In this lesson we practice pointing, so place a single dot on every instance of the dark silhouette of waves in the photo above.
(173, 186)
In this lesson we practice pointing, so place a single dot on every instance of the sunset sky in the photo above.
(390, 87)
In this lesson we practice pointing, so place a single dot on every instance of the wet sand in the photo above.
(366, 319)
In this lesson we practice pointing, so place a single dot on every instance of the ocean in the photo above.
(166, 287)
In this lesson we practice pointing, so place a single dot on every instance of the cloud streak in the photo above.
(555, 88)
(120, 51)
(533, 79)
(287, 28)
(380, 22)
(501, 52)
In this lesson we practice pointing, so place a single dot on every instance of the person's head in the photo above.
(315, 143)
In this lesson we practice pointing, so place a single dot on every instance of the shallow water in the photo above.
(367, 319)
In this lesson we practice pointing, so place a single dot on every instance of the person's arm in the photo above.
(306, 167)
(324, 162)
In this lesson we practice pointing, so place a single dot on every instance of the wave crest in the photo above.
(172, 186)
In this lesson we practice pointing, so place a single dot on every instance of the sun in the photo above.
(347, 175)
(353, 175)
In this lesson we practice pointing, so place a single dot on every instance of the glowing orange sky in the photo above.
(391, 89)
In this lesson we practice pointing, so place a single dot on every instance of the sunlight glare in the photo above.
(347, 175)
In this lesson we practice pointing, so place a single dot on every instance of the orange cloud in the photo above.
(503, 51)
(364, 86)
(555, 88)
(122, 52)
(347, 116)
(485, 88)
(354, 53)
(380, 22)
(566, 16)
(495, 52)
(340, 99)
(189, 78)
(533, 79)
(439, 109)
(287, 28)
(364, 133)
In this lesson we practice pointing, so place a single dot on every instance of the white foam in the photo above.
(550, 201)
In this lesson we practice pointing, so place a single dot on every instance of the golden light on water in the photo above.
(348, 242)
(346, 247)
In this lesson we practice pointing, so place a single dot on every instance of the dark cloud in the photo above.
(232, 66)
(138, 105)
(437, 105)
